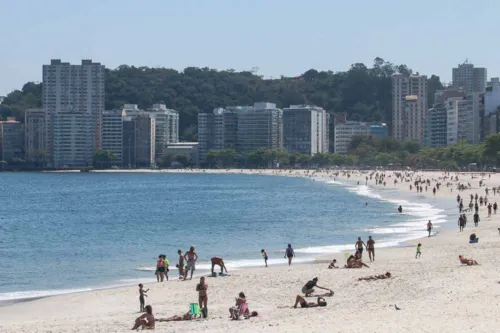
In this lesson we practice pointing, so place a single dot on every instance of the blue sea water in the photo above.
(67, 232)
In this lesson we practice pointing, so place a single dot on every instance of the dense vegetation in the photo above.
(365, 151)
(363, 93)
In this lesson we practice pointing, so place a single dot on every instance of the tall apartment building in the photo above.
(344, 131)
(470, 78)
(112, 135)
(435, 126)
(166, 122)
(409, 106)
(260, 128)
(34, 135)
(139, 141)
(305, 129)
(456, 111)
(11, 140)
(73, 101)
(492, 97)
(243, 128)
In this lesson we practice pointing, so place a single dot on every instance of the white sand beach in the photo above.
(434, 293)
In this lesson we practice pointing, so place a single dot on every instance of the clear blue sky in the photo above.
(281, 37)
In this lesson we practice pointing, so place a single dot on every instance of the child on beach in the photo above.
(201, 288)
(142, 293)
(419, 252)
(264, 254)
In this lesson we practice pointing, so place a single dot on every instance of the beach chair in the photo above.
(194, 310)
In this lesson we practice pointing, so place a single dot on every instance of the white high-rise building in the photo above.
(492, 97)
(409, 106)
(305, 129)
(73, 102)
(470, 78)
(344, 131)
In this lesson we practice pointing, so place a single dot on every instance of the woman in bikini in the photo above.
(146, 320)
(468, 262)
(376, 277)
(304, 304)
(201, 288)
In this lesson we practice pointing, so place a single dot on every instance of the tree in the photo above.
(491, 148)
(102, 158)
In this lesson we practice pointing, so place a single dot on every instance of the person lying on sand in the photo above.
(146, 320)
(468, 262)
(304, 304)
(186, 316)
(376, 277)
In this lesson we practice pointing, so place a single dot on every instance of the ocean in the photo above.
(71, 232)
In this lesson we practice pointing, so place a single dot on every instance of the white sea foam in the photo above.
(29, 294)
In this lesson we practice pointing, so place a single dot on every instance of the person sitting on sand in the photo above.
(233, 311)
(332, 264)
(146, 320)
(354, 262)
(468, 262)
(308, 288)
(219, 262)
(304, 304)
(376, 277)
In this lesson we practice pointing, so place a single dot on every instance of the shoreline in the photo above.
(435, 257)
(314, 259)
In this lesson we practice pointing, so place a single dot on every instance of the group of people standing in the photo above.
(186, 264)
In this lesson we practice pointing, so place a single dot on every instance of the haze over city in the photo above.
(279, 37)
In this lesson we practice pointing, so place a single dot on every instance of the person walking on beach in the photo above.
(419, 251)
(370, 247)
(461, 223)
(359, 247)
(495, 207)
(476, 219)
(264, 255)
(142, 293)
(167, 264)
(191, 258)
(429, 227)
(289, 253)
(180, 264)
(201, 288)
(490, 206)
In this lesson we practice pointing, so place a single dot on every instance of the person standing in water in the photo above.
(191, 258)
(264, 255)
(429, 227)
(400, 209)
(370, 247)
(289, 253)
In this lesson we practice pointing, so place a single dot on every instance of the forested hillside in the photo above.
(363, 93)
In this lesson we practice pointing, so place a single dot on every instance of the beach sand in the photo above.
(434, 293)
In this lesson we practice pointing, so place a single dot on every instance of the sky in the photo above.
(280, 37)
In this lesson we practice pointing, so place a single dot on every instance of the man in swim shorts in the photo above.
(220, 262)
(359, 247)
(191, 258)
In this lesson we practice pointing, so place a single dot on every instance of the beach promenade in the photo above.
(434, 293)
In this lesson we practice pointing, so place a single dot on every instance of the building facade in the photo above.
(470, 78)
(344, 131)
(112, 135)
(139, 141)
(409, 106)
(73, 95)
(260, 128)
(435, 127)
(11, 140)
(305, 129)
(34, 135)
(492, 97)
(379, 131)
